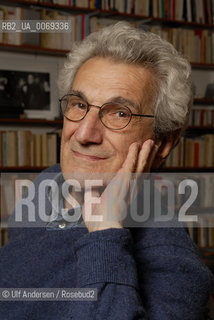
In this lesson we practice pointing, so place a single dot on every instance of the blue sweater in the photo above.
(139, 273)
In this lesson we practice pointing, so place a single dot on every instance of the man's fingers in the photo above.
(130, 163)
(140, 160)
(152, 157)
(145, 156)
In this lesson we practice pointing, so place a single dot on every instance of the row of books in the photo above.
(203, 204)
(197, 45)
(193, 152)
(23, 148)
(202, 117)
(199, 11)
(189, 191)
(80, 28)
(203, 237)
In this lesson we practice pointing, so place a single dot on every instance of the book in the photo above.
(29, 38)
(44, 150)
(52, 148)
(37, 150)
(21, 147)
(11, 149)
(11, 14)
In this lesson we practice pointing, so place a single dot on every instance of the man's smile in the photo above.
(87, 156)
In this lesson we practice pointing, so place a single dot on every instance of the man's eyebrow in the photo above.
(117, 99)
(126, 102)
(79, 94)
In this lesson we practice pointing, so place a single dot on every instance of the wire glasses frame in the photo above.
(109, 113)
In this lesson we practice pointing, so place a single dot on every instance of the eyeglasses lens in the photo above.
(113, 115)
(73, 108)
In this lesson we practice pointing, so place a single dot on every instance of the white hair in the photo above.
(172, 84)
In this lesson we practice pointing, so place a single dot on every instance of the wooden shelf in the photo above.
(200, 65)
(26, 121)
(193, 131)
(32, 49)
(200, 128)
(164, 169)
(208, 249)
(203, 101)
(198, 210)
(208, 255)
(22, 169)
(187, 169)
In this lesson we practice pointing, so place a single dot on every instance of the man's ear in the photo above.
(166, 144)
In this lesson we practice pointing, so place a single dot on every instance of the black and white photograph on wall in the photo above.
(26, 90)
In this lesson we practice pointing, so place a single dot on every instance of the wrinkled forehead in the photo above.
(101, 79)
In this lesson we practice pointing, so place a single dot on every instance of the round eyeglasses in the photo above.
(113, 115)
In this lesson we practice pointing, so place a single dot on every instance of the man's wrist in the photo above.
(110, 225)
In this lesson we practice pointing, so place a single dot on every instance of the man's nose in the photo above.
(90, 129)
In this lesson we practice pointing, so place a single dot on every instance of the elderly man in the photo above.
(125, 96)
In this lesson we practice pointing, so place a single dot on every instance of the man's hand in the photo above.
(111, 207)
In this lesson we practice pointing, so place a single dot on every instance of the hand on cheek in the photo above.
(109, 212)
(140, 158)
(146, 157)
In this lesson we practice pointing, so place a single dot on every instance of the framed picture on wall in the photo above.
(30, 87)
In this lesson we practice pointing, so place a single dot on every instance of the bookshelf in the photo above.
(32, 150)
(205, 101)
(169, 17)
(30, 128)
(204, 66)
